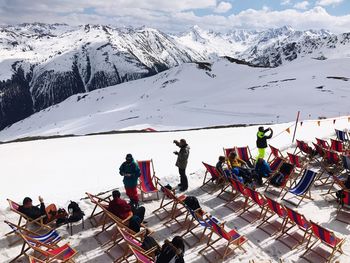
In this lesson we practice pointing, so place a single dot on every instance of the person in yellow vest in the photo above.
(261, 141)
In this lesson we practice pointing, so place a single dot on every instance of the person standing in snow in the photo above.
(131, 173)
(181, 162)
(261, 141)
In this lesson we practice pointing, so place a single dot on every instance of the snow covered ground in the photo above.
(187, 97)
(64, 169)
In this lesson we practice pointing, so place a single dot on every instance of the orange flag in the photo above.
(288, 130)
(319, 123)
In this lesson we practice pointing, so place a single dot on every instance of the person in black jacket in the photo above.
(181, 162)
(31, 211)
(172, 251)
(261, 141)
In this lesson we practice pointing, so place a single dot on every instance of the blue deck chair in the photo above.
(49, 238)
(302, 188)
(342, 135)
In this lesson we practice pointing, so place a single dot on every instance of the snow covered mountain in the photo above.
(42, 65)
(198, 95)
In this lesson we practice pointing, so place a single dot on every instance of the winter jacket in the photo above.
(119, 207)
(182, 156)
(263, 168)
(261, 139)
(33, 212)
(131, 173)
(168, 255)
(236, 162)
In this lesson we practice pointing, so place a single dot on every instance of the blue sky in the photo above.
(179, 15)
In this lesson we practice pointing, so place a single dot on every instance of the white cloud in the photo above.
(223, 7)
(285, 2)
(328, 2)
(302, 5)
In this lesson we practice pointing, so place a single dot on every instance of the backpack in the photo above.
(277, 179)
(75, 212)
(192, 202)
(149, 242)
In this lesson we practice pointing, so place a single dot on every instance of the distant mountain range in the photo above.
(44, 64)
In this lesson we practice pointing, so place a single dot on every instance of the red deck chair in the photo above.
(276, 164)
(289, 168)
(304, 149)
(232, 237)
(327, 238)
(254, 199)
(295, 160)
(274, 208)
(344, 216)
(98, 201)
(330, 164)
(275, 153)
(215, 176)
(245, 154)
(228, 185)
(337, 146)
(240, 191)
(323, 143)
(148, 180)
(140, 256)
(296, 219)
(35, 260)
(168, 203)
(319, 149)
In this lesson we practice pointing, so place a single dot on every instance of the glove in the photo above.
(41, 200)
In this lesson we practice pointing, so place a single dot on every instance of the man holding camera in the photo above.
(181, 162)
(261, 141)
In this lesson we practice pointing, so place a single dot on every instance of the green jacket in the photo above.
(131, 173)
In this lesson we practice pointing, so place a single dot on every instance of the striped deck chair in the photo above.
(302, 189)
(337, 146)
(240, 191)
(296, 161)
(227, 152)
(342, 135)
(323, 143)
(327, 238)
(39, 222)
(304, 149)
(130, 240)
(140, 256)
(287, 170)
(245, 154)
(273, 208)
(179, 210)
(228, 185)
(296, 219)
(148, 179)
(275, 153)
(215, 176)
(48, 252)
(199, 218)
(319, 150)
(254, 199)
(98, 201)
(232, 237)
(50, 238)
(168, 203)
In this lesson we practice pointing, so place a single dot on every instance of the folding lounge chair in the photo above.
(254, 199)
(323, 143)
(232, 237)
(327, 238)
(148, 180)
(320, 151)
(245, 154)
(179, 210)
(296, 161)
(275, 153)
(48, 252)
(330, 165)
(342, 215)
(304, 149)
(337, 146)
(240, 191)
(276, 164)
(302, 189)
(228, 176)
(98, 201)
(215, 176)
(287, 170)
(50, 238)
(39, 222)
(295, 220)
(342, 135)
(140, 256)
(273, 208)
(168, 203)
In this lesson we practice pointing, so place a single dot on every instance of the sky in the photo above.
(179, 15)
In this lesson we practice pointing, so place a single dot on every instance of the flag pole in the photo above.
(296, 125)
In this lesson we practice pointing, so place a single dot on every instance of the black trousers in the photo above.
(183, 178)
